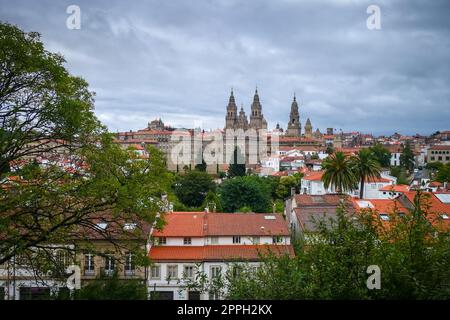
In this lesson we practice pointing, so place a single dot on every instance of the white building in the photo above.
(312, 184)
(210, 243)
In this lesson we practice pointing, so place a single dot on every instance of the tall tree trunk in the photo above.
(361, 187)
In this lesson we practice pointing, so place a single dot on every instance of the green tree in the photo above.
(46, 111)
(407, 158)
(212, 201)
(400, 174)
(381, 154)
(201, 166)
(338, 173)
(285, 185)
(248, 191)
(192, 188)
(237, 167)
(412, 254)
(443, 173)
(365, 167)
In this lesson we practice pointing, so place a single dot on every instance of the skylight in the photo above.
(102, 225)
(269, 217)
(445, 216)
(384, 217)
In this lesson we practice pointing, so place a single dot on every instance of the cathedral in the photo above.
(235, 120)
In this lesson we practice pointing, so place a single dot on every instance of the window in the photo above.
(236, 239)
(214, 295)
(162, 241)
(188, 272)
(155, 272)
(440, 158)
(277, 239)
(172, 272)
(89, 267)
(384, 217)
(129, 264)
(187, 240)
(255, 240)
(110, 264)
(214, 240)
(236, 271)
(432, 158)
(373, 185)
(63, 258)
(215, 271)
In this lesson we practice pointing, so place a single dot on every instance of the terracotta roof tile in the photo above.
(216, 252)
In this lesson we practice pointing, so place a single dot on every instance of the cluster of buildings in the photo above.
(219, 243)
(298, 147)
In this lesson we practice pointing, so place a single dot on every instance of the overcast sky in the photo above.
(178, 60)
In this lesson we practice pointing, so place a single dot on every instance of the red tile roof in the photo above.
(182, 224)
(314, 176)
(201, 224)
(440, 147)
(216, 252)
(396, 188)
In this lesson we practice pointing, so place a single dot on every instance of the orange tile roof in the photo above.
(433, 205)
(216, 252)
(201, 224)
(182, 224)
(245, 224)
(396, 188)
(386, 205)
(314, 176)
(380, 179)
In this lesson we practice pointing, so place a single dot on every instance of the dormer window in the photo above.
(187, 240)
(236, 239)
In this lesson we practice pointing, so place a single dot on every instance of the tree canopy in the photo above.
(192, 187)
(46, 113)
(249, 191)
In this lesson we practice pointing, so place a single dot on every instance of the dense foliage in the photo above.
(413, 257)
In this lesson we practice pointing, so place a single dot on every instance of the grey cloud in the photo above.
(178, 60)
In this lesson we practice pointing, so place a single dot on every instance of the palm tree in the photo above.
(365, 167)
(338, 172)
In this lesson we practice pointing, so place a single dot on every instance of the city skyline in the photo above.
(177, 61)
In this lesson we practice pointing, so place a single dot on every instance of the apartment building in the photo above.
(211, 243)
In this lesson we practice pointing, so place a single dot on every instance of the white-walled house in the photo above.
(211, 242)
(396, 151)
(312, 184)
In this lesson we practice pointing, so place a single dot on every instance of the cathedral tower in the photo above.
(294, 126)
(231, 117)
(308, 129)
(257, 120)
